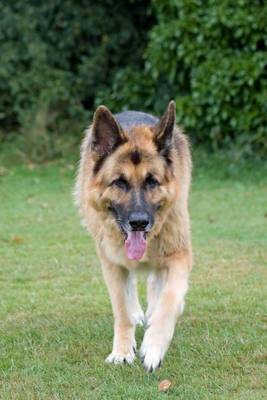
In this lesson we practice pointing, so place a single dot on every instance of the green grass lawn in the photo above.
(55, 315)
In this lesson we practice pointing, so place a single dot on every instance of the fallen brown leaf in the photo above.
(17, 240)
(3, 171)
(164, 385)
(31, 166)
(30, 199)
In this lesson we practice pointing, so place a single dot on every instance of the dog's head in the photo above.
(132, 180)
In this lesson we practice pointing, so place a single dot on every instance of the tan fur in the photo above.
(168, 256)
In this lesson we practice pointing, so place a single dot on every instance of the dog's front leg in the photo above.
(124, 344)
(169, 306)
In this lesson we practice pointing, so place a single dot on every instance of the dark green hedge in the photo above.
(56, 56)
(60, 59)
(211, 56)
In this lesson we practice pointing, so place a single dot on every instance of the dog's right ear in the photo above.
(165, 127)
(107, 134)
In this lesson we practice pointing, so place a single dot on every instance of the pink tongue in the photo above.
(135, 245)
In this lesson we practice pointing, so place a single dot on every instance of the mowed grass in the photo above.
(55, 315)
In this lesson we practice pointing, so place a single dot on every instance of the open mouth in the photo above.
(135, 244)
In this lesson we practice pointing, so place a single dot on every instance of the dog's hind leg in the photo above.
(155, 282)
(124, 344)
(133, 304)
(169, 306)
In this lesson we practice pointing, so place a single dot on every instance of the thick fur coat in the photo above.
(132, 191)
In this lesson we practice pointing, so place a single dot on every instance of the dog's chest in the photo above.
(117, 255)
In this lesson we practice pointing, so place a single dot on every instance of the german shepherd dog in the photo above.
(132, 191)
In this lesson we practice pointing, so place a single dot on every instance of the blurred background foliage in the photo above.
(60, 59)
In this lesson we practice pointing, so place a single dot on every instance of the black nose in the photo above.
(138, 220)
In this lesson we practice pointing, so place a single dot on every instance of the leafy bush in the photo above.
(55, 58)
(214, 55)
(61, 59)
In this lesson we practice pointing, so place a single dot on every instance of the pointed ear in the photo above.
(107, 134)
(164, 128)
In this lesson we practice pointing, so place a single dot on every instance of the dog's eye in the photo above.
(121, 183)
(151, 182)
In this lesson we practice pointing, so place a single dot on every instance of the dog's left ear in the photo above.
(107, 134)
(164, 128)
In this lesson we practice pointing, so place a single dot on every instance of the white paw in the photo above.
(139, 317)
(151, 357)
(153, 350)
(120, 358)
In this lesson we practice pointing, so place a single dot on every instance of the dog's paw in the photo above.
(139, 317)
(121, 358)
(153, 350)
(151, 357)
